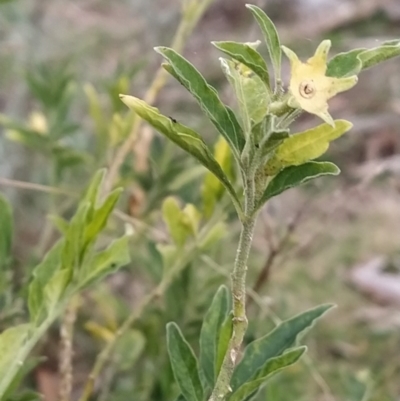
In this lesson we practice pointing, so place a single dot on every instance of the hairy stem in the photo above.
(238, 278)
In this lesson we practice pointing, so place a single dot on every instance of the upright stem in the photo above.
(66, 353)
(222, 386)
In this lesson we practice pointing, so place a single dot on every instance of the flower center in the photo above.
(307, 89)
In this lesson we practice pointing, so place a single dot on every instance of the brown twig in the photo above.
(276, 249)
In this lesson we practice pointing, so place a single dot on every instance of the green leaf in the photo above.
(92, 192)
(184, 137)
(184, 364)
(372, 57)
(128, 349)
(206, 96)
(296, 175)
(305, 146)
(271, 367)
(352, 62)
(273, 344)
(106, 262)
(271, 38)
(6, 234)
(100, 216)
(224, 337)
(42, 274)
(345, 64)
(54, 289)
(209, 334)
(245, 54)
(74, 238)
(250, 92)
(11, 340)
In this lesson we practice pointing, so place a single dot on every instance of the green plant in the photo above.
(269, 159)
(71, 265)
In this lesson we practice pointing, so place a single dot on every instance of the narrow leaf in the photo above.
(305, 146)
(172, 216)
(106, 262)
(271, 38)
(247, 55)
(271, 367)
(352, 62)
(296, 175)
(187, 139)
(206, 96)
(184, 364)
(250, 92)
(225, 334)
(210, 331)
(273, 344)
(6, 232)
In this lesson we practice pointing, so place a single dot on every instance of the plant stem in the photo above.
(66, 352)
(238, 278)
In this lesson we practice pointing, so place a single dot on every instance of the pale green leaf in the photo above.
(209, 334)
(250, 92)
(296, 175)
(305, 146)
(173, 217)
(11, 341)
(273, 344)
(245, 54)
(352, 62)
(105, 262)
(184, 364)
(184, 137)
(271, 38)
(207, 97)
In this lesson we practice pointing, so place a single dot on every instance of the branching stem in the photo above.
(238, 287)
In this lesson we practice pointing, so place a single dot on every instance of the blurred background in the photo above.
(62, 65)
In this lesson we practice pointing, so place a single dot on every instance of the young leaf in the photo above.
(271, 38)
(273, 345)
(305, 146)
(296, 175)
(245, 54)
(54, 289)
(100, 216)
(272, 366)
(172, 216)
(105, 262)
(250, 92)
(210, 332)
(356, 60)
(184, 137)
(207, 97)
(184, 364)
(92, 192)
(6, 232)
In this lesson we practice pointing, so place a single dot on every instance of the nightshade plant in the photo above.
(270, 160)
